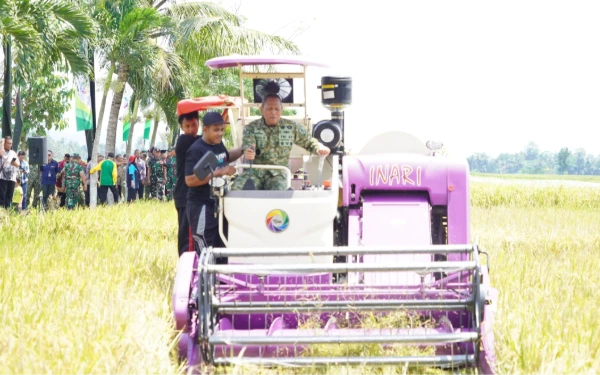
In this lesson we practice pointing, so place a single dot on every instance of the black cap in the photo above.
(213, 118)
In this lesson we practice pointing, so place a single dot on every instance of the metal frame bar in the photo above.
(269, 166)
(447, 338)
(441, 360)
(265, 269)
(342, 250)
(284, 105)
(286, 75)
(340, 306)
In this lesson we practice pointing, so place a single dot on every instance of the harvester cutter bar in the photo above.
(442, 361)
(339, 289)
(343, 250)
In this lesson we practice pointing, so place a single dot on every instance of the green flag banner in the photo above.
(147, 129)
(83, 105)
(126, 128)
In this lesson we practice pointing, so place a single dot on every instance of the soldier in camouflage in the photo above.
(274, 137)
(73, 176)
(158, 176)
(171, 174)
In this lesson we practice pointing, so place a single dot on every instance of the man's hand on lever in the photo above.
(323, 150)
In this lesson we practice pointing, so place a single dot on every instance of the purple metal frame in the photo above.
(235, 60)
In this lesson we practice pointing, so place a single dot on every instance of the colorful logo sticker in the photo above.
(277, 221)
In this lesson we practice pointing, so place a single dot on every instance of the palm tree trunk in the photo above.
(111, 71)
(133, 120)
(91, 133)
(113, 119)
(93, 182)
(18, 122)
(7, 96)
(156, 121)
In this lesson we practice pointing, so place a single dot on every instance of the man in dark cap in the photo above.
(200, 206)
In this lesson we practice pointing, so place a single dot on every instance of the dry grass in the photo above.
(89, 291)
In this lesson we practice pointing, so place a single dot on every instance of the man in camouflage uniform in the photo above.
(274, 137)
(171, 174)
(73, 176)
(156, 168)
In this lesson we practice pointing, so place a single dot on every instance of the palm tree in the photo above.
(192, 32)
(206, 30)
(51, 31)
(160, 40)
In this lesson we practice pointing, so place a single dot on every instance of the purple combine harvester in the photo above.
(384, 231)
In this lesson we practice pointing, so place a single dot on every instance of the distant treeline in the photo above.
(532, 161)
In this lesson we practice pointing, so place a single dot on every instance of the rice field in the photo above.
(538, 177)
(89, 291)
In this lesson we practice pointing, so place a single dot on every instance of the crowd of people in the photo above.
(143, 175)
(168, 175)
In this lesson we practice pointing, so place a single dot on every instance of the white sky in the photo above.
(478, 76)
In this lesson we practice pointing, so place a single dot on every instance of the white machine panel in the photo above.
(272, 219)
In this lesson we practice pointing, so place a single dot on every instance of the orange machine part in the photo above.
(203, 103)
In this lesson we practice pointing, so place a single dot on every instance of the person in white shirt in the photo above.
(24, 174)
(8, 171)
(141, 164)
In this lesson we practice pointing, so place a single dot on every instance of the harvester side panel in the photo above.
(459, 221)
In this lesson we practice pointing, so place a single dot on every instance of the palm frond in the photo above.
(207, 9)
(23, 34)
(77, 61)
(167, 67)
(70, 14)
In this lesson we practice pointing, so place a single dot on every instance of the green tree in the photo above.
(32, 32)
(46, 98)
(509, 163)
(579, 161)
(481, 162)
(531, 151)
(547, 160)
(563, 160)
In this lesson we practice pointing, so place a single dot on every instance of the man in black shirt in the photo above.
(188, 123)
(200, 205)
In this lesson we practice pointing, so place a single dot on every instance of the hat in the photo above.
(213, 118)
(171, 149)
(76, 156)
(132, 158)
